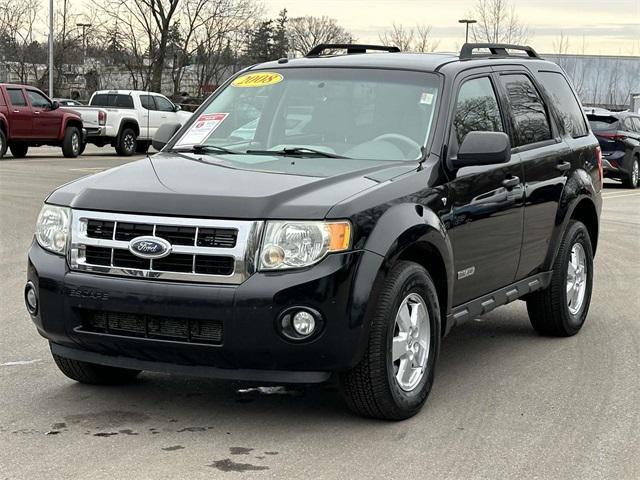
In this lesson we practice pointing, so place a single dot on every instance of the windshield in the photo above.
(602, 122)
(362, 114)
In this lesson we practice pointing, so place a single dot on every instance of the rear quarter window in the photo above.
(565, 103)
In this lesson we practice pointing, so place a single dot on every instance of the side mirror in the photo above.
(177, 108)
(164, 134)
(483, 148)
(55, 105)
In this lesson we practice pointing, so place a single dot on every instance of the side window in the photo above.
(476, 109)
(565, 102)
(38, 100)
(636, 121)
(124, 101)
(163, 104)
(529, 115)
(16, 97)
(628, 124)
(147, 102)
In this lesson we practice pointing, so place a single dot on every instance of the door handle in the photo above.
(36, 113)
(510, 182)
(564, 166)
(16, 111)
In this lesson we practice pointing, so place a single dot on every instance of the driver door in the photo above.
(46, 121)
(486, 217)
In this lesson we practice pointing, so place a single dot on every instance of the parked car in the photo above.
(424, 190)
(619, 137)
(128, 119)
(28, 118)
(67, 102)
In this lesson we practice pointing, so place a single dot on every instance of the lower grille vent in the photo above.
(186, 330)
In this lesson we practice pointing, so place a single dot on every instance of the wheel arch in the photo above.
(129, 123)
(585, 212)
(415, 233)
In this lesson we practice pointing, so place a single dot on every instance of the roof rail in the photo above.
(496, 49)
(351, 48)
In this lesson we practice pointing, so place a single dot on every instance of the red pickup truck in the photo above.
(28, 118)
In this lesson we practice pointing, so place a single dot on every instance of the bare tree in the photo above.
(498, 23)
(418, 39)
(20, 50)
(307, 32)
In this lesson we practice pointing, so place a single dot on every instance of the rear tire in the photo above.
(126, 145)
(72, 143)
(19, 149)
(3, 143)
(376, 387)
(561, 309)
(632, 180)
(92, 373)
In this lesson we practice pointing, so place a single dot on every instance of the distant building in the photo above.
(602, 80)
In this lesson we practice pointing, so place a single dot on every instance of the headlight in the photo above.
(291, 244)
(52, 228)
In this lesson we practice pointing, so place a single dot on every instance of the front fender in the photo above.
(406, 226)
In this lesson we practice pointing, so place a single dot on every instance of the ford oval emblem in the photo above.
(149, 247)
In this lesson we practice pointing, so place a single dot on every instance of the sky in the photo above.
(606, 27)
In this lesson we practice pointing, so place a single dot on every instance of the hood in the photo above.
(259, 188)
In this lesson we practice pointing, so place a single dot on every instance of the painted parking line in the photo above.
(622, 195)
(88, 169)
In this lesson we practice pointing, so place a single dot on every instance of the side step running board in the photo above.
(485, 304)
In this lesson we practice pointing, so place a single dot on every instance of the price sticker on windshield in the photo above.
(202, 128)
(257, 79)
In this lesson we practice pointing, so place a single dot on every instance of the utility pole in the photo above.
(467, 21)
(50, 48)
(84, 26)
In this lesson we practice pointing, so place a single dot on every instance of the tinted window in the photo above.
(529, 115)
(602, 122)
(147, 102)
(16, 97)
(163, 104)
(124, 101)
(112, 100)
(476, 109)
(565, 102)
(38, 100)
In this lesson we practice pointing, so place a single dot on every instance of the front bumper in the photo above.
(251, 348)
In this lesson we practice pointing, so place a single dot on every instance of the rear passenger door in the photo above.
(20, 116)
(486, 216)
(547, 159)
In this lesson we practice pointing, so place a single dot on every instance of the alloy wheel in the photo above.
(411, 342)
(576, 278)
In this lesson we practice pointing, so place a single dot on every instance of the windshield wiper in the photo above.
(205, 149)
(296, 151)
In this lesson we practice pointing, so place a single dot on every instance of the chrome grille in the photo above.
(202, 250)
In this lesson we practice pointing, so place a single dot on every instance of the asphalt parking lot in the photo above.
(506, 403)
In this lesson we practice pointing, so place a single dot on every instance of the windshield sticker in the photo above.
(426, 98)
(202, 128)
(261, 79)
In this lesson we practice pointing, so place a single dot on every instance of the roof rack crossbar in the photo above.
(496, 49)
(351, 48)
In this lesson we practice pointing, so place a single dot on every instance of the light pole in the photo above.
(50, 48)
(84, 41)
(467, 21)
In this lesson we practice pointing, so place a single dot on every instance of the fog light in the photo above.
(303, 323)
(31, 298)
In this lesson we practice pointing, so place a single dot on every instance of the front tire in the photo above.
(127, 142)
(633, 179)
(394, 378)
(561, 309)
(3, 143)
(72, 143)
(94, 374)
(19, 149)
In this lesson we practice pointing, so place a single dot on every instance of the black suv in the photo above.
(619, 137)
(334, 214)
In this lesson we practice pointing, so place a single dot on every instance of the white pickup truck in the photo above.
(127, 119)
